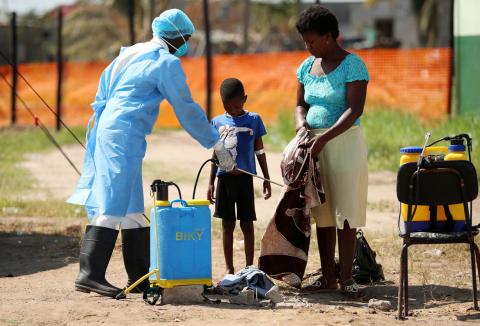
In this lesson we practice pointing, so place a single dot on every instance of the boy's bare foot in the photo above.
(230, 271)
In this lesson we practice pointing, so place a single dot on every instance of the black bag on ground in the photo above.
(365, 268)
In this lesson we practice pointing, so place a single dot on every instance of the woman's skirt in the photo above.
(344, 176)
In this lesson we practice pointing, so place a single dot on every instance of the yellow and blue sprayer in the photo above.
(180, 241)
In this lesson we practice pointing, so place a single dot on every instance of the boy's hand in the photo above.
(224, 157)
(267, 190)
(210, 194)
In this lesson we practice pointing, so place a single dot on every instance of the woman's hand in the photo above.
(210, 193)
(267, 190)
(317, 144)
(300, 124)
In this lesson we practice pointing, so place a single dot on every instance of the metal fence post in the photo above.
(452, 62)
(131, 20)
(59, 67)
(14, 59)
(208, 59)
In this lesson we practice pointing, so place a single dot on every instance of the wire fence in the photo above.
(410, 80)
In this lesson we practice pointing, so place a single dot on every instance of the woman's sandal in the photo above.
(319, 285)
(351, 290)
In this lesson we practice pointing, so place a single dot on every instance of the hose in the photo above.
(198, 175)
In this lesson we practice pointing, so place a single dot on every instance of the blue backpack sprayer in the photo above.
(180, 241)
(183, 256)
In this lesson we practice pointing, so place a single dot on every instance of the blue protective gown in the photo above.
(126, 108)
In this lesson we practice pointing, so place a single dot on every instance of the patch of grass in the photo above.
(15, 142)
(45, 208)
(386, 132)
(280, 133)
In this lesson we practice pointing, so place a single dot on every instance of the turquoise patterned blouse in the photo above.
(327, 94)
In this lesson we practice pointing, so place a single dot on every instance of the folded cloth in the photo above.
(295, 162)
(285, 243)
(250, 277)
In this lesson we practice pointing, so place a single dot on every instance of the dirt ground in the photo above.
(39, 259)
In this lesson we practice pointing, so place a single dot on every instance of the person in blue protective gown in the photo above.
(126, 108)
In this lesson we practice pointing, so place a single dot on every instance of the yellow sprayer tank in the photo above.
(410, 154)
(456, 153)
(436, 153)
(421, 219)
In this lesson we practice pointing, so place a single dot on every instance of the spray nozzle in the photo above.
(160, 189)
(422, 154)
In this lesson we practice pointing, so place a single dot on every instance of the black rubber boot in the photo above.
(136, 255)
(95, 254)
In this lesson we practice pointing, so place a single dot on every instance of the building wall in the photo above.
(360, 19)
(467, 54)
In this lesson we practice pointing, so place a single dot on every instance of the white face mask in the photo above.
(183, 49)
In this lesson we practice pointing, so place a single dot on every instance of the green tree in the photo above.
(145, 11)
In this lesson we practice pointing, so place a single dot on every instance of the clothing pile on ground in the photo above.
(248, 286)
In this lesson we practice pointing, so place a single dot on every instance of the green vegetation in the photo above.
(280, 133)
(15, 179)
(387, 132)
(45, 208)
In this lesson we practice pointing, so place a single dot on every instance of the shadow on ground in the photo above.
(419, 297)
(25, 254)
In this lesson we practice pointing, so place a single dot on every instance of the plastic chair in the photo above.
(436, 183)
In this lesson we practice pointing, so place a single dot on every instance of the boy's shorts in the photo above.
(235, 189)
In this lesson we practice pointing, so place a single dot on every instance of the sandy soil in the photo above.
(39, 259)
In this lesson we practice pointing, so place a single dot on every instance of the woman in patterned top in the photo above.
(332, 86)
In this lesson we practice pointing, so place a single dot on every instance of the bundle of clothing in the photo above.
(249, 277)
(285, 244)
